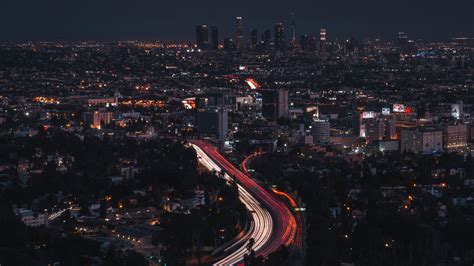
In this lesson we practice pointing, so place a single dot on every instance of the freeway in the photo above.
(293, 204)
(273, 224)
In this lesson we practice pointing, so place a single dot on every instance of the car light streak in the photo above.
(273, 224)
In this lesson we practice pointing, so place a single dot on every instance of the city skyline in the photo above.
(107, 21)
(265, 133)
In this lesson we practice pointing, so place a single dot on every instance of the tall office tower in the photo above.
(214, 38)
(253, 38)
(322, 36)
(322, 39)
(213, 121)
(267, 38)
(239, 33)
(293, 31)
(422, 140)
(455, 137)
(280, 42)
(275, 104)
(321, 131)
(202, 36)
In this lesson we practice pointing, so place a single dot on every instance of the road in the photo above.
(293, 204)
(273, 224)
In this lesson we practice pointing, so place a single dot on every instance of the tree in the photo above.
(134, 258)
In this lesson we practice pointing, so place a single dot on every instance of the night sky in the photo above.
(22, 20)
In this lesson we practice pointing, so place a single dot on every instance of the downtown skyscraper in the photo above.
(214, 38)
(207, 37)
(202, 36)
(280, 42)
(293, 31)
(239, 33)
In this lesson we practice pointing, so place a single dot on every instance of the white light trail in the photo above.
(262, 228)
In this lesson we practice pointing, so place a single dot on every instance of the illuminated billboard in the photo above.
(368, 114)
(189, 103)
(398, 108)
(456, 110)
(386, 111)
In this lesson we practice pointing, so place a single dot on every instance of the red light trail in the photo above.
(274, 224)
(294, 205)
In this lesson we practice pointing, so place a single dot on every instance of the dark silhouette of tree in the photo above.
(133, 258)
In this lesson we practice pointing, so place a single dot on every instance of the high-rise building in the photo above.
(322, 36)
(374, 129)
(390, 128)
(202, 37)
(253, 38)
(422, 140)
(239, 33)
(322, 39)
(280, 42)
(293, 31)
(213, 121)
(455, 137)
(275, 104)
(267, 38)
(321, 131)
(214, 38)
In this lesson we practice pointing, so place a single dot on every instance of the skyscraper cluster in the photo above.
(207, 38)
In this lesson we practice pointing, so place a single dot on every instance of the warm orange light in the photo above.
(292, 201)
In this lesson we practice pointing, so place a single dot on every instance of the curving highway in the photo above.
(294, 205)
(273, 224)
